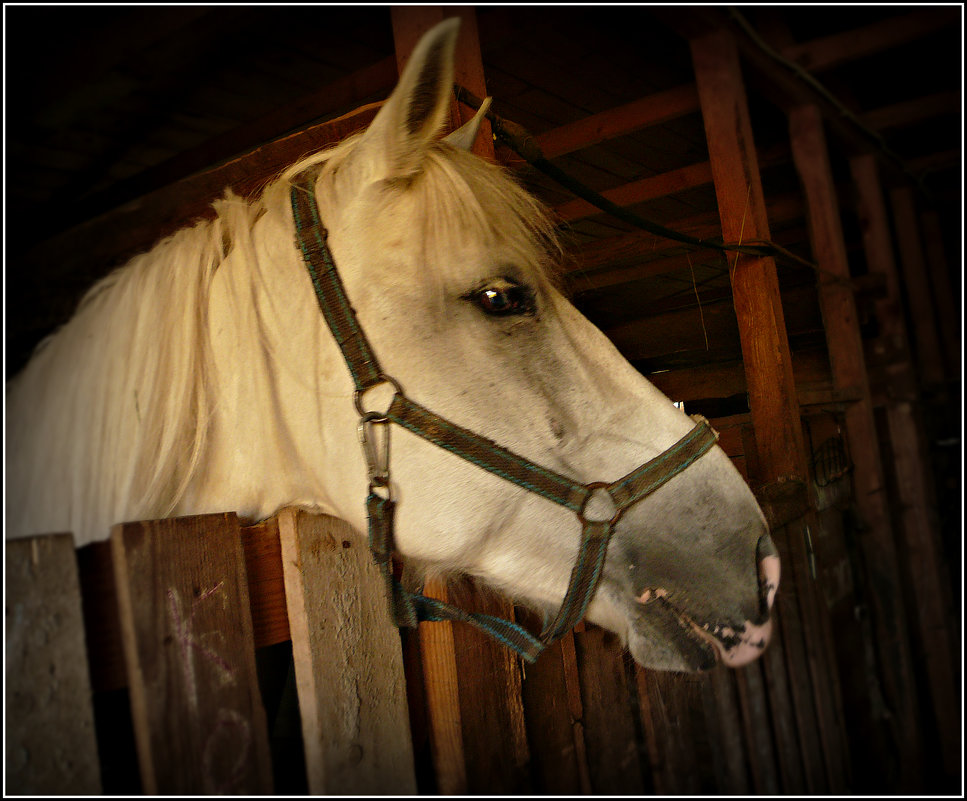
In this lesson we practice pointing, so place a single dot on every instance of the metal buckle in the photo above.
(377, 459)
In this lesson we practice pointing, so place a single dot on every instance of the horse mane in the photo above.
(111, 417)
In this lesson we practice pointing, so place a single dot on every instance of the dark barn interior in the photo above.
(128, 120)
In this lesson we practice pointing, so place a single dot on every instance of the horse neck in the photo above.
(274, 368)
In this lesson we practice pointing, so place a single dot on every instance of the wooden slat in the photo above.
(555, 723)
(847, 361)
(348, 661)
(49, 732)
(198, 716)
(266, 584)
(793, 613)
(758, 730)
(443, 700)
(102, 619)
(609, 730)
(913, 474)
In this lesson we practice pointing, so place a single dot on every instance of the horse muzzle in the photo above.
(698, 615)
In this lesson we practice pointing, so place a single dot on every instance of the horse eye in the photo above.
(504, 299)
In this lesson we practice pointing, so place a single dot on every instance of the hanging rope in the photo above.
(522, 142)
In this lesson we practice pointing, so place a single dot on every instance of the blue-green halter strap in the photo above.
(409, 608)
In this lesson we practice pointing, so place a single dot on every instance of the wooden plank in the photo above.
(348, 660)
(723, 714)
(102, 619)
(924, 565)
(793, 615)
(914, 481)
(443, 700)
(609, 730)
(667, 731)
(266, 582)
(49, 738)
(917, 288)
(198, 716)
(758, 730)
(555, 724)
(755, 287)
(494, 733)
(848, 365)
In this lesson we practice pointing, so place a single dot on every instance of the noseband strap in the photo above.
(410, 608)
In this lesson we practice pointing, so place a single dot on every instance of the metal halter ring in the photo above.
(375, 417)
(594, 491)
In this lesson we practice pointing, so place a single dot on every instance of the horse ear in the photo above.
(466, 134)
(418, 108)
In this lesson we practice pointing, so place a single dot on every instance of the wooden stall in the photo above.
(830, 364)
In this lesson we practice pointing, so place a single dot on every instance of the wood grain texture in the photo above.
(198, 716)
(49, 718)
(348, 661)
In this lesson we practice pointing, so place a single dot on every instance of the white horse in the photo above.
(201, 377)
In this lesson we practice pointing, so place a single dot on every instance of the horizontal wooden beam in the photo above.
(620, 121)
(94, 246)
(810, 369)
(828, 52)
(695, 328)
(337, 96)
(661, 185)
(913, 111)
(655, 186)
(603, 252)
(581, 282)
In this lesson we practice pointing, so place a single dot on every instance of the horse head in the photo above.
(449, 266)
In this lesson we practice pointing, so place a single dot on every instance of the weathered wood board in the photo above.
(49, 720)
(198, 717)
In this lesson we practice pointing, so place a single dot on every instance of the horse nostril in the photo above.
(768, 560)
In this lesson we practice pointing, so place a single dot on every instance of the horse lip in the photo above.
(732, 645)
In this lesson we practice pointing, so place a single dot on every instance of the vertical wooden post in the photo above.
(480, 745)
(348, 661)
(198, 716)
(917, 289)
(913, 475)
(765, 347)
(848, 365)
(755, 285)
(50, 743)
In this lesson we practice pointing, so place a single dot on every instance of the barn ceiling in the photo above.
(121, 101)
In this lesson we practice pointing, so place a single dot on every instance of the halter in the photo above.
(409, 608)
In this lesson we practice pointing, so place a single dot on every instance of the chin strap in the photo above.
(410, 608)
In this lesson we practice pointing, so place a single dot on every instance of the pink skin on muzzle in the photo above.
(752, 637)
